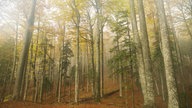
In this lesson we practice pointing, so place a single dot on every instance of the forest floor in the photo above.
(111, 99)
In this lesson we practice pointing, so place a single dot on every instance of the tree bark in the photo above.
(44, 66)
(92, 54)
(27, 74)
(102, 63)
(169, 71)
(98, 51)
(77, 23)
(35, 83)
(25, 51)
(149, 100)
(139, 54)
(15, 54)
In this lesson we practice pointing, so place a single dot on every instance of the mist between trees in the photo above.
(83, 51)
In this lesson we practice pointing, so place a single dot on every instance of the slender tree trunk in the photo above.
(77, 69)
(92, 55)
(120, 85)
(77, 22)
(126, 90)
(24, 54)
(178, 52)
(131, 66)
(98, 51)
(59, 81)
(87, 66)
(44, 67)
(41, 88)
(15, 55)
(27, 74)
(162, 86)
(139, 54)
(139, 51)
(34, 78)
(34, 65)
(169, 71)
(102, 63)
(26, 85)
(37, 87)
(149, 100)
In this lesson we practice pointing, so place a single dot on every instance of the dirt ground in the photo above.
(111, 99)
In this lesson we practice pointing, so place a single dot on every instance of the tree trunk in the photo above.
(149, 100)
(131, 66)
(102, 63)
(27, 74)
(169, 71)
(77, 22)
(92, 55)
(44, 67)
(178, 52)
(98, 51)
(138, 48)
(15, 54)
(120, 85)
(102, 52)
(59, 81)
(25, 51)
(87, 66)
(34, 65)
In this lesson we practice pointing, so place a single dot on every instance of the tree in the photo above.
(77, 22)
(98, 11)
(25, 51)
(138, 48)
(169, 71)
(92, 50)
(149, 100)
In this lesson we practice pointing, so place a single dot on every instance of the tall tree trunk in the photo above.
(131, 66)
(35, 83)
(178, 52)
(77, 22)
(27, 74)
(87, 66)
(92, 54)
(44, 67)
(120, 75)
(59, 80)
(15, 54)
(149, 100)
(102, 63)
(25, 51)
(98, 51)
(77, 68)
(102, 52)
(169, 71)
(139, 54)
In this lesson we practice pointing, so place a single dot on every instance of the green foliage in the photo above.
(121, 60)
(123, 51)
(67, 53)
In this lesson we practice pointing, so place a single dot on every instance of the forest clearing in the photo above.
(95, 53)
